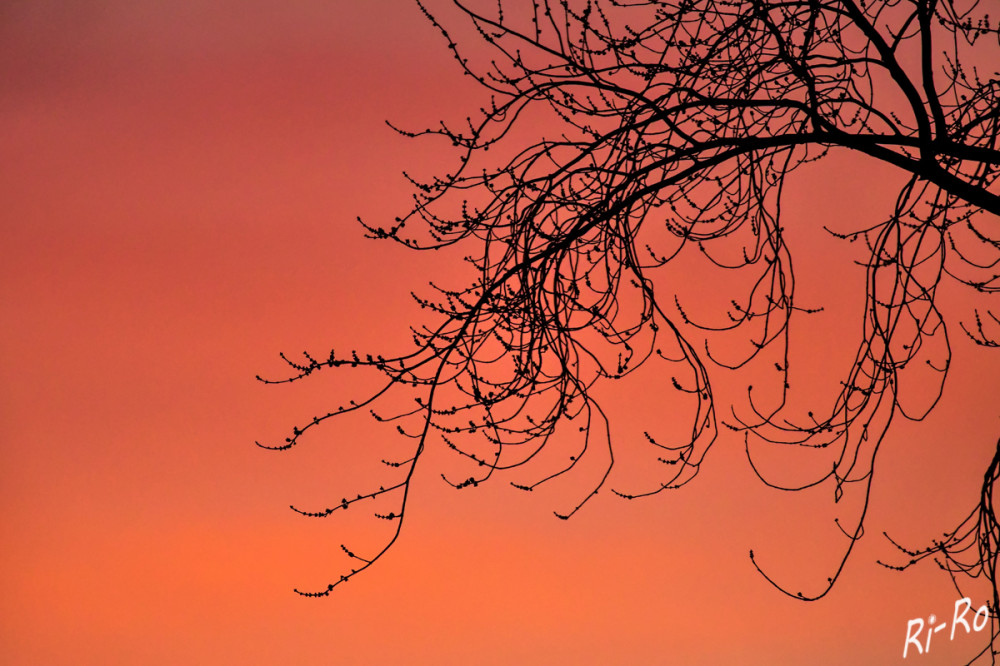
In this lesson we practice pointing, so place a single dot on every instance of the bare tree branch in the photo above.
(682, 120)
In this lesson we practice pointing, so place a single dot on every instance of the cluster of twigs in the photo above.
(970, 550)
(680, 121)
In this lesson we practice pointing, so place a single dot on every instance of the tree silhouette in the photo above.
(661, 128)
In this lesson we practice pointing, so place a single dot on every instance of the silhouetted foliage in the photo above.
(680, 121)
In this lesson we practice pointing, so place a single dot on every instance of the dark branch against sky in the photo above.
(619, 136)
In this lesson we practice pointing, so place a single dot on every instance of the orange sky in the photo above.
(179, 186)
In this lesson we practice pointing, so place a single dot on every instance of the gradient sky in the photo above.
(179, 186)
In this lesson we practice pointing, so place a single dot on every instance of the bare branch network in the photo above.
(679, 122)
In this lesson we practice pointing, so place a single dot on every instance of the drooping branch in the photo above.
(661, 128)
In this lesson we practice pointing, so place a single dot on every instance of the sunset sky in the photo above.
(180, 183)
